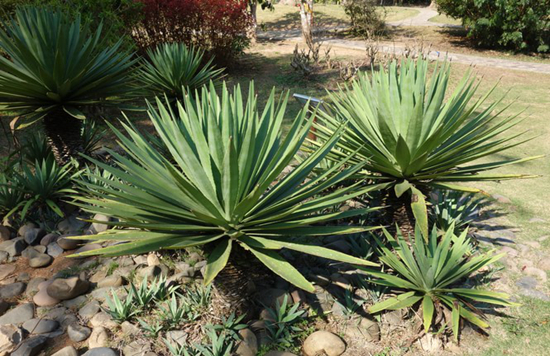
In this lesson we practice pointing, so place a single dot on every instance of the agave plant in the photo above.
(411, 134)
(224, 190)
(11, 195)
(457, 209)
(173, 68)
(36, 148)
(45, 184)
(56, 66)
(429, 274)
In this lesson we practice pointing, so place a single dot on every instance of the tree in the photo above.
(306, 17)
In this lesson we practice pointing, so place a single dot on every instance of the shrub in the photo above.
(364, 16)
(429, 273)
(173, 68)
(410, 133)
(456, 209)
(216, 26)
(520, 25)
(61, 67)
(119, 14)
(225, 188)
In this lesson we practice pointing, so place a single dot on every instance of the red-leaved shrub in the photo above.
(217, 26)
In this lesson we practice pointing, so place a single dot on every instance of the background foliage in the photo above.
(521, 25)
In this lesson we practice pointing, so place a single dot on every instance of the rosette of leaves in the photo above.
(409, 132)
(55, 67)
(172, 69)
(428, 274)
(223, 187)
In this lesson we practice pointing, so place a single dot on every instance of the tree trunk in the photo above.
(399, 214)
(306, 16)
(254, 15)
(234, 285)
(64, 134)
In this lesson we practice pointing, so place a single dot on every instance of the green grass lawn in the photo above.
(445, 20)
(526, 329)
(285, 17)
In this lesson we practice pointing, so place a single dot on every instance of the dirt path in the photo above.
(421, 20)
(295, 35)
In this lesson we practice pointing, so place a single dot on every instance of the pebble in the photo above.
(88, 247)
(68, 244)
(13, 247)
(33, 236)
(48, 239)
(54, 250)
(42, 298)
(32, 286)
(31, 346)
(89, 310)
(100, 351)
(76, 302)
(40, 260)
(502, 199)
(78, 333)
(111, 281)
(40, 326)
(67, 351)
(10, 337)
(12, 290)
(67, 288)
(4, 257)
(271, 296)
(98, 338)
(26, 227)
(535, 272)
(5, 233)
(323, 343)
(102, 319)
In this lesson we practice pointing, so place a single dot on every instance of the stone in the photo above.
(40, 260)
(29, 252)
(88, 247)
(533, 244)
(76, 302)
(31, 346)
(249, 339)
(363, 329)
(271, 296)
(112, 281)
(279, 353)
(509, 251)
(98, 338)
(150, 273)
(131, 329)
(71, 225)
(68, 244)
(323, 343)
(152, 260)
(33, 236)
(136, 348)
(42, 298)
(185, 269)
(67, 351)
(12, 290)
(544, 264)
(32, 286)
(10, 337)
(4, 257)
(5, 233)
(89, 310)
(102, 319)
(26, 227)
(97, 226)
(52, 313)
(40, 326)
(23, 277)
(54, 250)
(6, 270)
(536, 220)
(98, 276)
(78, 333)
(48, 239)
(100, 351)
(13, 247)
(67, 288)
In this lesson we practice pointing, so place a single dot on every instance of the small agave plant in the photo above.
(222, 187)
(428, 274)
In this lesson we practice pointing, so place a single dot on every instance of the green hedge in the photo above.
(520, 25)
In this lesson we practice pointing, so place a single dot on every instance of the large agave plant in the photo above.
(173, 68)
(428, 274)
(410, 133)
(224, 188)
(56, 66)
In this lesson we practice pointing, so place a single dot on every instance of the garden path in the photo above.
(422, 19)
